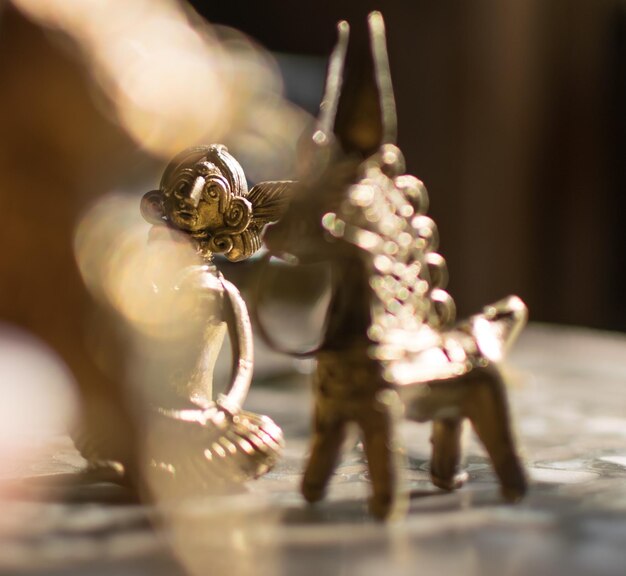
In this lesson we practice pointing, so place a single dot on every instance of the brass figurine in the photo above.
(204, 194)
(193, 442)
(390, 344)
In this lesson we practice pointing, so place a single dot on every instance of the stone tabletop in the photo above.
(568, 396)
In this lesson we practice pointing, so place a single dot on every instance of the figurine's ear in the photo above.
(238, 215)
(243, 245)
(152, 207)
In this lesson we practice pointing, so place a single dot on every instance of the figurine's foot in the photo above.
(449, 483)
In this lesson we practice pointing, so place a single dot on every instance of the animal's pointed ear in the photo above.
(152, 207)
(366, 113)
(334, 80)
(382, 73)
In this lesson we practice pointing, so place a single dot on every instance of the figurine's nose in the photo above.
(196, 190)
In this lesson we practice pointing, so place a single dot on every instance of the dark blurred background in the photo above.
(513, 114)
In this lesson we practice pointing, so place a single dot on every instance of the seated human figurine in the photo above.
(390, 345)
(190, 441)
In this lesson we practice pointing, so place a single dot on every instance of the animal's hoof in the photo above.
(513, 494)
(381, 508)
(388, 506)
(449, 483)
(312, 492)
(513, 480)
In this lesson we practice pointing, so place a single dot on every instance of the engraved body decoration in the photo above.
(390, 345)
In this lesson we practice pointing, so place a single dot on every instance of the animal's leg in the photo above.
(446, 454)
(487, 408)
(328, 437)
(384, 458)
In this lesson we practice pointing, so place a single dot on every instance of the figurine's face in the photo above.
(198, 198)
(204, 194)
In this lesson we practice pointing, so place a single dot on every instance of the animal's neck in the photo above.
(349, 315)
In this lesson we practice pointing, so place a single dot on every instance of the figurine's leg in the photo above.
(446, 454)
(487, 408)
(384, 458)
(328, 437)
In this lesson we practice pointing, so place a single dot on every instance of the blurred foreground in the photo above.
(572, 522)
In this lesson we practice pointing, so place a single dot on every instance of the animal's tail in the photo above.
(497, 327)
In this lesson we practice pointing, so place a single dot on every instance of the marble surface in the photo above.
(568, 396)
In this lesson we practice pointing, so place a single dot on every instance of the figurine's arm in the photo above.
(240, 333)
(219, 303)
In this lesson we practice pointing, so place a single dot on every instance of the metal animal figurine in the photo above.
(389, 345)
(191, 441)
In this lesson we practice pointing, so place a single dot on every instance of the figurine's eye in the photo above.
(213, 192)
(179, 189)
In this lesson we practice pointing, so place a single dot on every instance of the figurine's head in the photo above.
(202, 193)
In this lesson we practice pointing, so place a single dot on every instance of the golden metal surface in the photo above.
(390, 343)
